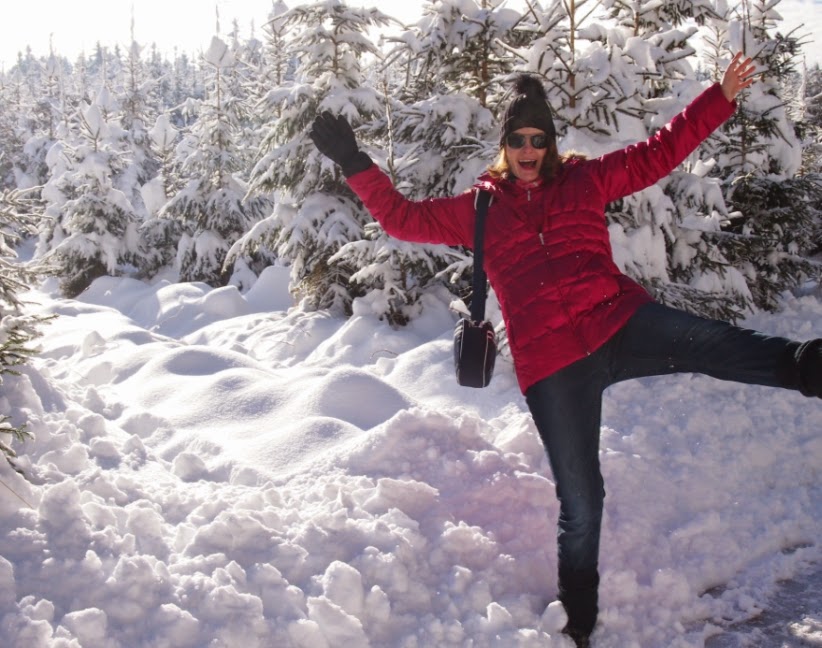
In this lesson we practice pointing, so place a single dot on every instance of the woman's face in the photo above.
(524, 158)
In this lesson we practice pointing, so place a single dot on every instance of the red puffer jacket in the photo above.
(547, 249)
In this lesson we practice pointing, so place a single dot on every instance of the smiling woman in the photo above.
(576, 324)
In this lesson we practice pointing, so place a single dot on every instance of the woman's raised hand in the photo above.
(739, 75)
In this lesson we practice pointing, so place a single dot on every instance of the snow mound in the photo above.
(206, 472)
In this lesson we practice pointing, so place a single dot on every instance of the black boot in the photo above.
(581, 607)
(581, 639)
(809, 367)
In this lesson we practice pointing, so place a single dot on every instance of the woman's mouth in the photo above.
(529, 165)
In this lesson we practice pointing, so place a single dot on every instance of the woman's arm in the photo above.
(442, 220)
(435, 220)
(641, 165)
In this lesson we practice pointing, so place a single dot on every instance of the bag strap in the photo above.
(481, 203)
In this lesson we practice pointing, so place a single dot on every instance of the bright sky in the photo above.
(76, 26)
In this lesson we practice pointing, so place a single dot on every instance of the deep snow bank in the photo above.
(207, 471)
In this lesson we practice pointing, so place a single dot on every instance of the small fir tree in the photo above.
(18, 330)
(776, 225)
(134, 118)
(672, 222)
(210, 206)
(161, 234)
(328, 40)
(93, 226)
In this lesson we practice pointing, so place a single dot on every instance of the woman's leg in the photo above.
(566, 409)
(662, 340)
(567, 405)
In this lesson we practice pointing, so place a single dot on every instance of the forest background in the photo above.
(126, 163)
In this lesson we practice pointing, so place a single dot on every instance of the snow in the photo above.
(224, 469)
(218, 55)
(163, 133)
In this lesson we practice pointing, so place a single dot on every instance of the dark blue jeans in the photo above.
(567, 406)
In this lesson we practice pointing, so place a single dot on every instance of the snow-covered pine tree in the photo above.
(254, 251)
(161, 234)
(271, 65)
(595, 72)
(655, 36)
(776, 226)
(811, 88)
(92, 230)
(317, 213)
(812, 145)
(210, 205)
(812, 95)
(135, 117)
(186, 88)
(40, 109)
(243, 85)
(592, 87)
(159, 71)
(663, 235)
(11, 143)
(449, 68)
(277, 65)
(18, 329)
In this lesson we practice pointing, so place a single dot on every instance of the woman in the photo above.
(575, 323)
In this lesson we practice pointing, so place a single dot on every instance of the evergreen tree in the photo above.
(451, 64)
(41, 118)
(186, 92)
(277, 64)
(18, 330)
(161, 234)
(592, 86)
(210, 206)
(672, 222)
(93, 226)
(255, 250)
(269, 64)
(159, 71)
(812, 147)
(244, 87)
(135, 117)
(811, 93)
(11, 143)
(328, 41)
(776, 225)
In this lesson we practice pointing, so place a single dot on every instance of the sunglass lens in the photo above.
(539, 141)
(515, 140)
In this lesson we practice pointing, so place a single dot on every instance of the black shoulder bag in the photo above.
(475, 342)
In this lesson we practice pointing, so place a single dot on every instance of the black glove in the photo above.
(334, 138)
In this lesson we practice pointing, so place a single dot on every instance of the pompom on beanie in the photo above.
(528, 108)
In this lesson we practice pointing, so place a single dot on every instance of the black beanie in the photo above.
(528, 108)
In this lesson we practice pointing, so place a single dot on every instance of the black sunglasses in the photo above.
(517, 140)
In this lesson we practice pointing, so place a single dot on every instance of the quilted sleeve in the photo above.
(435, 220)
(638, 166)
